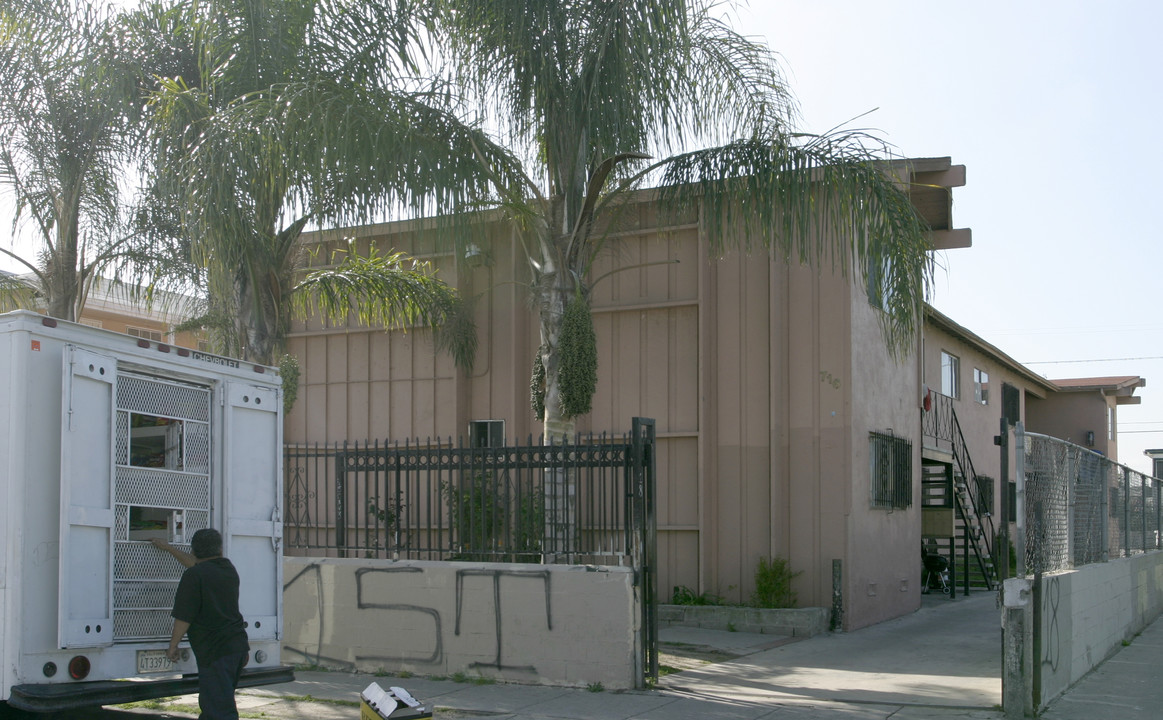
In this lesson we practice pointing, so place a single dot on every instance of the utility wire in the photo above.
(1063, 362)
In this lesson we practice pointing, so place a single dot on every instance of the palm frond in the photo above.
(17, 293)
(391, 291)
(825, 201)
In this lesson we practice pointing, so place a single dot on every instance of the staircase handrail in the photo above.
(973, 492)
(940, 422)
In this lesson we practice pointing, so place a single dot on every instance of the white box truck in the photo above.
(106, 441)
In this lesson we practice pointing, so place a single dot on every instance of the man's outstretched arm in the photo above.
(181, 556)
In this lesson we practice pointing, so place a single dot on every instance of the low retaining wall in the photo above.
(550, 624)
(796, 622)
(1087, 614)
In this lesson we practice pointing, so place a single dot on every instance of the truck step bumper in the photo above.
(70, 696)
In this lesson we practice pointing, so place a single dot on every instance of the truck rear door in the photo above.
(85, 617)
(252, 496)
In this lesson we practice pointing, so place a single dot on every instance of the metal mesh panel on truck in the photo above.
(142, 561)
(141, 624)
(162, 488)
(145, 595)
(162, 398)
(152, 501)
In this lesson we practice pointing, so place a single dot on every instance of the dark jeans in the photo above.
(216, 684)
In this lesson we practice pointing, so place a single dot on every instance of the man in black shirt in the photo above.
(206, 608)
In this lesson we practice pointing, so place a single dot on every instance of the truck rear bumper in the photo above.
(69, 696)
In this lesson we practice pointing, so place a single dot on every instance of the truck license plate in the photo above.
(153, 661)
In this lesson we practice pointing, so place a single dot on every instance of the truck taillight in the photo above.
(79, 667)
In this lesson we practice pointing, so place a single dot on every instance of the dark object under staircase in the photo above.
(956, 503)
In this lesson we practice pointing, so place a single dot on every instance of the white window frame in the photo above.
(144, 333)
(981, 386)
(950, 374)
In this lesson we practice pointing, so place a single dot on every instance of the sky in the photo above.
(1051, 107)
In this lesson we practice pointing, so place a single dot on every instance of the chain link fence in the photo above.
(1076, 507)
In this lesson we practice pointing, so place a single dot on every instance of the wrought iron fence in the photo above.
(1080, 507)
(536, 502)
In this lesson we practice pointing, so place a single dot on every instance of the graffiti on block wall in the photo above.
(312, 575)
(1052, 643)
(498, 614)
(430, 616)
(363, 605)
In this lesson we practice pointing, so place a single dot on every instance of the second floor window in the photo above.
(950, 375)
(144, 333)
(981, 386)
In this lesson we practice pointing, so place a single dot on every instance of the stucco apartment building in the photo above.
(110, 307)
(784, 425)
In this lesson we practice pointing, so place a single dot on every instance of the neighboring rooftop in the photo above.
(1120, 387)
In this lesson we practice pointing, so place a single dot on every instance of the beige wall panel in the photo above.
(401, 355)
(654, 268)
(380, 409)
(683, 415)
(336, 413)
(647, 367)
(678, 552)
(742, 383)
(726, 483)
(337, 358)
(402, 398)
(358, 411)
(358, 356)
(379, 356)
(628, 394)
(314, 397)
(314, 361)
(445, 421)
(423, 416)
(677, 491)
(677, 514)
(803, 467)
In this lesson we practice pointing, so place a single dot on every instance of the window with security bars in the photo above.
(985, 495)
(891, 469)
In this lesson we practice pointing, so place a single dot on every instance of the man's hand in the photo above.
(173, 654)
(159, 543)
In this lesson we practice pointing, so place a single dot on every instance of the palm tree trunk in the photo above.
(560, 482)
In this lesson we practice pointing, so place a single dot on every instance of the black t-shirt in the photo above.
(207, 598)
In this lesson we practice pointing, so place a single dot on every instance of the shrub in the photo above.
(683, 595)
(773, 584)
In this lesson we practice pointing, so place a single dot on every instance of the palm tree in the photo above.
(604, 96)
(66, 101)
(301, 113)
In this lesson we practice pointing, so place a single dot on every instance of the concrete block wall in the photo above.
(1087, 614)
(794, 622)
(549, 624)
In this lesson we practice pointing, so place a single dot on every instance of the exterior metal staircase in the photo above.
(957, 520)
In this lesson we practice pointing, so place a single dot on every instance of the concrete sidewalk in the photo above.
(940, 662)
(1127, 686)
